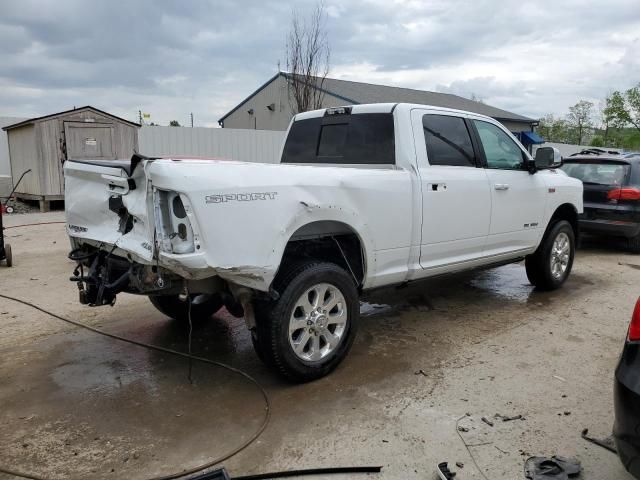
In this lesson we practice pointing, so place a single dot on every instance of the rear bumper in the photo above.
(626, 429)
(610, 227)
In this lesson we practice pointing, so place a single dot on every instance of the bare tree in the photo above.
(308, 52)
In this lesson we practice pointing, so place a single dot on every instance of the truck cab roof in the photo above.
(380, 108)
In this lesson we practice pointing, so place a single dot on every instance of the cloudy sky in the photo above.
(170, 58)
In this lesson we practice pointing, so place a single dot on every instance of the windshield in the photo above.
(598, 173)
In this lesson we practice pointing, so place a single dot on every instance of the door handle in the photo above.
(501, 186)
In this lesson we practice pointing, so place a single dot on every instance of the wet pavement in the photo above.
(74, 404)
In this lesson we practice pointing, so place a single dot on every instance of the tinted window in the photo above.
(332, 140)
(499, 148)
(598, 173)
(448, 141)
(347, 139)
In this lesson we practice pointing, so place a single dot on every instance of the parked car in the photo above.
(626, 429)
(611, 193)
(365, 196)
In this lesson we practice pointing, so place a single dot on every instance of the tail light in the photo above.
(174, 233)
(634, 327)
(624, 194)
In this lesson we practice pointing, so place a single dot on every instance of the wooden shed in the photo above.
(43, 144)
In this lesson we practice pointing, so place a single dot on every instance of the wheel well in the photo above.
(569, 213)
(328, 241)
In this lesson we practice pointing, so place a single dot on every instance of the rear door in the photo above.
(601, 179)
(456, 203)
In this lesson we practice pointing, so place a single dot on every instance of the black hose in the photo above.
(308, 471)
(199, 468)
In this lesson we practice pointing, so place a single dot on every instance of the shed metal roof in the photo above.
(359, 92)
(52, 115)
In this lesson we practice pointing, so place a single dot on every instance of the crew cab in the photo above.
(364, 196)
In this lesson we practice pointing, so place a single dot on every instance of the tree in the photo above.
(174, 123)
(579, 118)
(597, 141)
(307, 51)
(624, 108)
(553, 129)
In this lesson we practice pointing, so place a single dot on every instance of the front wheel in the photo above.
(550, 265)
(309, 330)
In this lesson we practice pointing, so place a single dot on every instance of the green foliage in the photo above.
(554, 129)
(623, 109)
(580, 119)
(597, 141)
(174, 123)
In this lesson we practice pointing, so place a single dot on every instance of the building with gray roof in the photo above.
(268, 108)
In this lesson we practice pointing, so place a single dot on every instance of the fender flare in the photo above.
(312, 213)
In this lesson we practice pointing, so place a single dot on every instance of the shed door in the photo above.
(89, 141)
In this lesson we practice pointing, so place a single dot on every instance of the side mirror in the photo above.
(547, 157)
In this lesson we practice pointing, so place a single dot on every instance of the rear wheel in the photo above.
(309, 330)
(550, 265)
(202, 306)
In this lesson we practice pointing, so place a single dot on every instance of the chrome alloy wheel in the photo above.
(318, 322)
(560, 253)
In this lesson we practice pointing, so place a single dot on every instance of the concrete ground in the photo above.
(74, 404)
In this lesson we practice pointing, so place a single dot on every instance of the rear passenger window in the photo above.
(366, 138)
(448, 141)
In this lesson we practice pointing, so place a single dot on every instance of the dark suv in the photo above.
(611, 193)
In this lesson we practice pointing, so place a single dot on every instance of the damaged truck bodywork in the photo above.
(354, 204)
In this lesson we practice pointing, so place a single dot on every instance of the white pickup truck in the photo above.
(364, 196)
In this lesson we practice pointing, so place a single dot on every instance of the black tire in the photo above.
(173, 307)
(634, 244)
(272, 338)
(538, 264)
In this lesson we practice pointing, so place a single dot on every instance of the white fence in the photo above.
(5, 164)
(236, 144)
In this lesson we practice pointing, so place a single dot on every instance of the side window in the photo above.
(499, 148)
(448, 141)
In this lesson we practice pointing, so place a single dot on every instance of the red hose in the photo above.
(32, 224)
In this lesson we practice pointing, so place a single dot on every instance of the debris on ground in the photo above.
(506, 418)
(459, 464)
(606, 443)
(443, 471)
(462, 429)
(556, 468)
(22, 207)
(421, 372)
(487, 421)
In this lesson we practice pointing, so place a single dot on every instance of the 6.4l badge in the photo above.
(240, 197)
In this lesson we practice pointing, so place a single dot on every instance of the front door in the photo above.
(456, 202)
(517, 197)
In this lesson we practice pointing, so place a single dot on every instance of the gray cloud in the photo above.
(171, 58)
